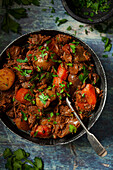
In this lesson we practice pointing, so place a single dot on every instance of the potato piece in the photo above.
(46, 65)
(43, 60)
(21, 124)
(43, 100)
(7, 78)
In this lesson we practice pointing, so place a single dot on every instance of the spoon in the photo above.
(96, 145)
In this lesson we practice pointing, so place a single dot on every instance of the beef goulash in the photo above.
(36, 79)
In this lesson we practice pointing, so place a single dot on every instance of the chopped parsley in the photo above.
(57, 114)
(107, 44)
(43, 54)
(83, 95)
(56, 20)
(84, 76)
(72, 128)
(61, 21)
(54, 122)
(105, 56)
(69, 28)
(39, 69)
(47, 42)
(51, 114)
(36, 133)
(90, 19)
(24, 115)
(23, 72)
(53, 10)
(30, 55)
(73, 48)
(43, 98)
(22, 61)
(35, 58)
(9, 55)
(69, 64)
(28, 97)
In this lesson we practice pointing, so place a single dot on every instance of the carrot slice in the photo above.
(89, 93)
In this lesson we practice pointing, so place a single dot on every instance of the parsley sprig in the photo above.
(84, 76)
(19, 160)
(9, 22)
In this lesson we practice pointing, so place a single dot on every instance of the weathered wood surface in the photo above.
(79, 154)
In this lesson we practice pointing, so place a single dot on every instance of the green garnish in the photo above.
(105, 56)
(43, 98)
(107, 44)
(54, 122)
(13, 99)
(73, 47)
(38, 68)
(81, 26)
(22, 61)
(9, 55)
(62, 91)
(47, 42)
(86, 31)
(52, 2)
(94, 6)
(43, 54)
(23, 72)
(42, 77)
(24, 116)
(84, 76)
(40, 47)
(28, 97)
(68, 94)
(69, 28)
(72, 128)
(90, 19)
(19, 160)
(35, 58)
(57, 114)
(86, 13)
(51, 114)
(44, 9)
(30, 55)
(69, 64)
(47, 48)
(53, 10)
(61, 21)
(91, 14)
(36, 133)
(57, 19)
(83, 95)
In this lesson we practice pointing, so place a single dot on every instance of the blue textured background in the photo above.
(64, 157)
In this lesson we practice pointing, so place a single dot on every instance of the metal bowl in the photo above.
(89, 122)
(79, 16)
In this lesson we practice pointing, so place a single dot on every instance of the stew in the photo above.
(38, 76)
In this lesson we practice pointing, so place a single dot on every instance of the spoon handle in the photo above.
(96, 145)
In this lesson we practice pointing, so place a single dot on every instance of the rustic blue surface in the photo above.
(64, 157)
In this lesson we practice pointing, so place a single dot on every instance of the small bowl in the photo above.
(79, 16)
(89, 122)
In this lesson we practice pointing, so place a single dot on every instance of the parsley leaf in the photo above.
(43, 98)
(61, 21)
(72, 128)
(22, 61)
